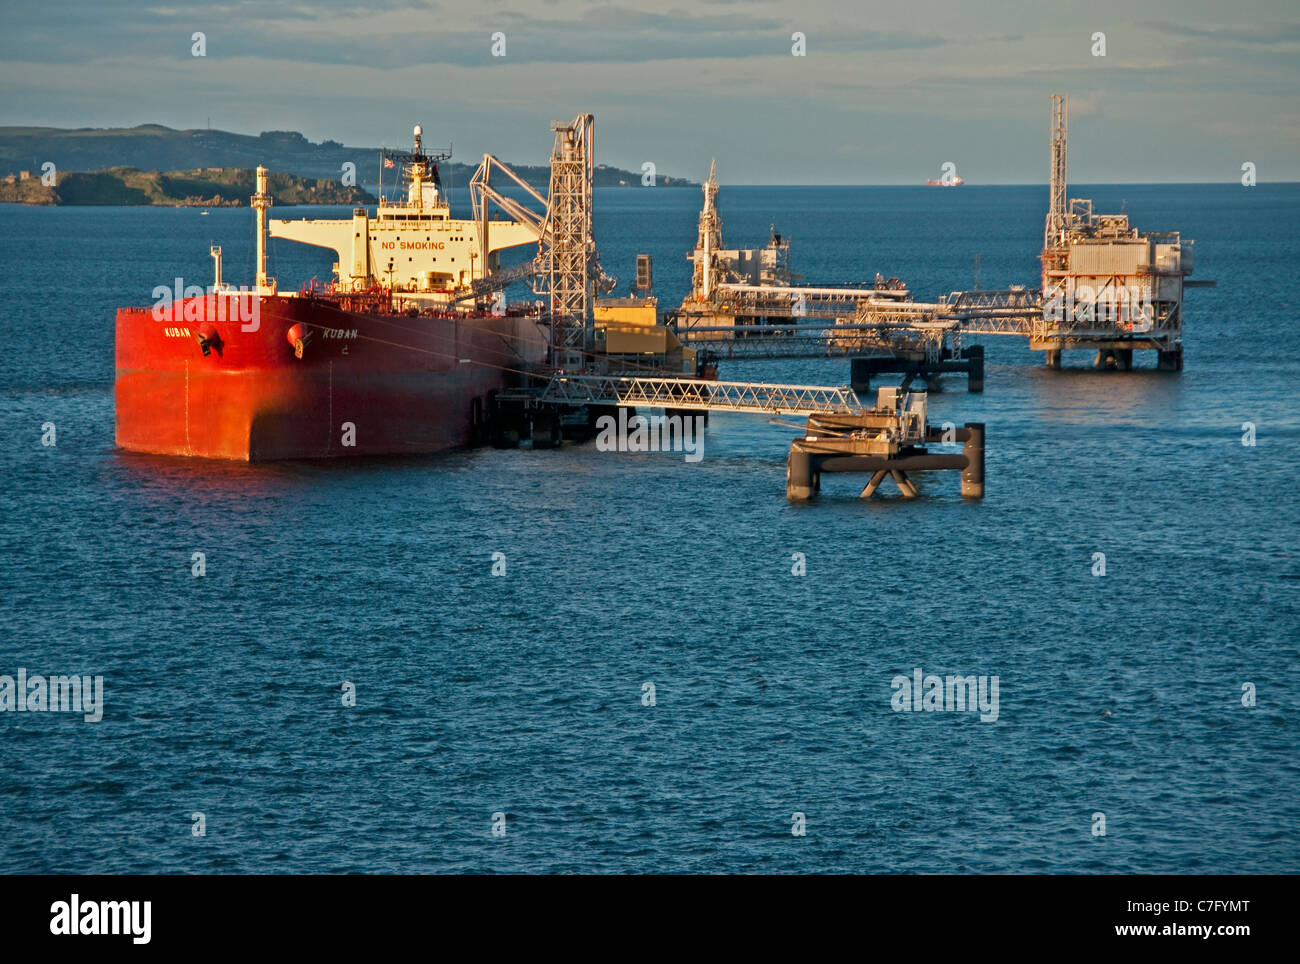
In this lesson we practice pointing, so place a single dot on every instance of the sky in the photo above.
(1187, 90)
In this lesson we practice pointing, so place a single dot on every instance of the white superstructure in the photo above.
(412, 245)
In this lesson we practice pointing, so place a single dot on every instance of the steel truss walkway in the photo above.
(694, 394)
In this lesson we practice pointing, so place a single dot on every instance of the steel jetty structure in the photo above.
(1105, 287)
(887, 440)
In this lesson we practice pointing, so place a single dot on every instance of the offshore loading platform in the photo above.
(887, 440)
(1105, 287)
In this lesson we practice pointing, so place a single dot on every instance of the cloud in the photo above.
(1264, 35)
(418, 33)
(879, 94)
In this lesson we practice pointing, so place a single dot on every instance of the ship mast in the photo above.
(417, 171)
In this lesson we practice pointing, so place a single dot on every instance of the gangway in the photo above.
(690, 394)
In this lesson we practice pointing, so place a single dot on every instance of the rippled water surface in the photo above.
(1119, 695)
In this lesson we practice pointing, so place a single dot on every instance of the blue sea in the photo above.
(518, 702)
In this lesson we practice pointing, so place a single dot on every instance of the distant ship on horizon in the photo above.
(940, 182)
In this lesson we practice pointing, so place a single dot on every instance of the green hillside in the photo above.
(222, 187)
(151, 147)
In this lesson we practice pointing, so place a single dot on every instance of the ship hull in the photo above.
(367, 383)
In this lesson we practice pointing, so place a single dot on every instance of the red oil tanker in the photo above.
(381, 361)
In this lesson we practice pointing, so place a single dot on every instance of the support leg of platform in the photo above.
(1053, 358)
(506, 423)
(799, 485)
(874, 484)
(859, 375)
(972, 477)
(546, 430)
(905, 485)
(975, 373)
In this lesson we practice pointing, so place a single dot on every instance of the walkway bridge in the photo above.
(689, 394)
